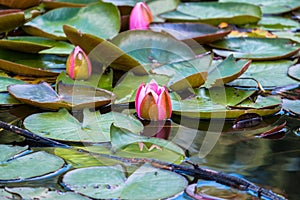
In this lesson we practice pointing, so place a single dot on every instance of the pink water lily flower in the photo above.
(78, 65)
(153, 102)
(140, 16)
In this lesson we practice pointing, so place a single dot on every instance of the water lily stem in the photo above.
(29, 135)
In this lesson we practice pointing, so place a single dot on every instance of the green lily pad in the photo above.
(100, 19)
(30, 44)
(103, 52)
(268, 73)
(20, 4)
(261, 102)
(186, 74)
(215, 103)
(69, 96)
(256, 48)
(7, 100)
(31, 64)
(44, 193)
(200, 32)
(272, 6)
(108, 182)
(26, 167)
(5, 195)
(273, 23)
(153, 49)
(226, 71)
(9, 151)
(294, 72)
(67, 3)
(10, 19)
(6, 81)
(215, 13)
(62, 125)
(291, 106)
(288, 35)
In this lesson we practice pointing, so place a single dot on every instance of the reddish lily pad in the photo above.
(10, 19)
(103, 52)
(69, 96)
(20, 4)
(256, 48)
(202, 33)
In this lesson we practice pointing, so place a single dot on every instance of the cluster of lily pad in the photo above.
(199, 63)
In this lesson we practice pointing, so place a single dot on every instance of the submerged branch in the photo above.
(195, 171)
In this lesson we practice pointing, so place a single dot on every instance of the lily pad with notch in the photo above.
(69, 96)
(200, 32)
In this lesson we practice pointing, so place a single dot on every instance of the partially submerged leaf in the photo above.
(276, 132)
(69, 96)
(109, 182)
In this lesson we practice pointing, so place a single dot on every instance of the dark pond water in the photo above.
(270, 163)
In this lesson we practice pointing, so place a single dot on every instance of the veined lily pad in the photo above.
(100, 19)
(268, 73)
(215, 13)
(202, 33)
(215, 102)
(31, 64)
(44, 193)
(152, 49)
(272, 6)
(68, 96)
(10, 19)
(62, 125)
(30, 44)
(109, 182)
(50, 4)
(103, 52)
(20, 4)
(26, 167)
(226, 71)
(256, 48)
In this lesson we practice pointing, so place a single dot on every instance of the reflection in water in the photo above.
(269, 163)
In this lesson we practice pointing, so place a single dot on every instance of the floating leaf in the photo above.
(69, 96)
(291, 106)
(28, 166)
(215, 13)
(218, 104)
(10, 19)
(66, 3)
(6, 81)
(31, 64)
(108, 182)
(50, 24)
(261, 102)
(151, 48)
(44, 193)
(8, 152)
(7, 100)
(294, 72)
(264, 73)
(288, 35)
(30, 44)
(273, 23)
(226, 71)
(104, 52)
(256, 48)
(271, 6)
(62, 125)
(185, 74)
(121, 138)
(202, 33)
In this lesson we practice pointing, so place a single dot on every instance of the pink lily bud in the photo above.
(140, 16)
(78, 65)
(153, 102)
